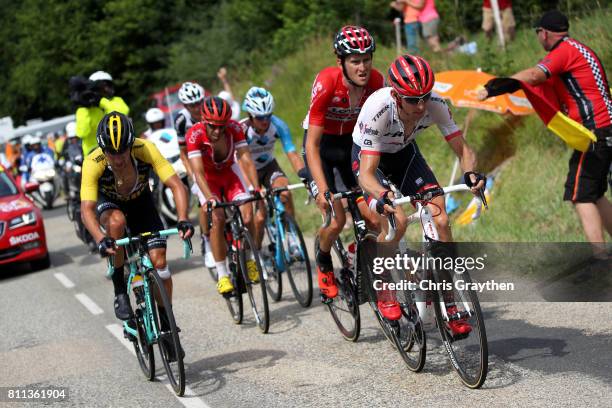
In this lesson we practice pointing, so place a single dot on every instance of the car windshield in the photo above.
(7, 188)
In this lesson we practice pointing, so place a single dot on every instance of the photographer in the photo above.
(94, 97)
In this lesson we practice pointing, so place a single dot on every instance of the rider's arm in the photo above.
(180, 196)
(287, 142)
(186, 161)
(367, 175)
(313, 156)
(198, 176)
(179, 126)
(90, 219)
(246, 163)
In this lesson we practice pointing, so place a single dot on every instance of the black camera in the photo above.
(83, 92)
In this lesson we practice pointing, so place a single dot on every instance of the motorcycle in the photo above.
(71, 169)
(167, 143)
(42, 171)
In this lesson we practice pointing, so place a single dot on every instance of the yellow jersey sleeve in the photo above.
(93, 167)
(149, 153)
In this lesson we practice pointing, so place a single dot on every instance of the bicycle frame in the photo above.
(276, 210)
(429, 235)
(140, 264)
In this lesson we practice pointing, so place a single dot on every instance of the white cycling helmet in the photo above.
(26, 140)
(190, 92)
(258, 102)
(35, 139)
(154, 115)
(100, 76)
(71, 129)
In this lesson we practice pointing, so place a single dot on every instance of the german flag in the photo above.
(546, 104)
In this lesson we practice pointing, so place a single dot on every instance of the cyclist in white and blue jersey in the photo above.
(262, 129)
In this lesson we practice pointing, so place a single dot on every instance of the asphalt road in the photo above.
(541, 354)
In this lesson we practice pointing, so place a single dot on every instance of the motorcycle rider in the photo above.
(156, 120)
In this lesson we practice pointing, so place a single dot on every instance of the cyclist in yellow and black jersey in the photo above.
(115, 193)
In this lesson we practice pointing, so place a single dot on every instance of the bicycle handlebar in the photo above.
(427, 196)
(187, 247)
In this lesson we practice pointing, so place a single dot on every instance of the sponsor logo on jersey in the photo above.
(380, 113)
(367, 142)
(20, 239)
(369, 131)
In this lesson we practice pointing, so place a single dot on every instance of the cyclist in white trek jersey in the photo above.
(385, 151)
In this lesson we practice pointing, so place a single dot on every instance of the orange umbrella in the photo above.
(460, 88)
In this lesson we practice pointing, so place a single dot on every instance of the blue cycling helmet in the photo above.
(258, 102)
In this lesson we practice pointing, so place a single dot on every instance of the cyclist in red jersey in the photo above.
(579, 80)
(338, 93)
(212, 146)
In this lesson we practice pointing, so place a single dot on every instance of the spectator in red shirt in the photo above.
(579, 81)
(507, 18)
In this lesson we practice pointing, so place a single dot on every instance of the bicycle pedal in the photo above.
(325, 300)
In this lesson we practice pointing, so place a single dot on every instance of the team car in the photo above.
(22, 233)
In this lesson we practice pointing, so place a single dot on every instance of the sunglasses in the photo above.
(213, 126)
(193, 105)
(263, 117)
(416, 100)
(112, 152)
(537, 30)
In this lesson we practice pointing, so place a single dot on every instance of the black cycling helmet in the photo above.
(353, 40)
(115, 133)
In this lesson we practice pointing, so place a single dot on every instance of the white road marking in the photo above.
(89, 304)
(190, 400)
(64, 280)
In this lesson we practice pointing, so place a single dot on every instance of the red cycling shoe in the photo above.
(460, 326)
(388, 305)
(327, 283)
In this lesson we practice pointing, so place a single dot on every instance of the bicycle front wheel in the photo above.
(297, 262)
(406, 334)
(344, 308)
(142, 347)
(468, 352)
(256, 289)
(168, 340)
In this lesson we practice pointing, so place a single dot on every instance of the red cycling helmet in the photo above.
(353, 40)
(216, 111)
(411, 76)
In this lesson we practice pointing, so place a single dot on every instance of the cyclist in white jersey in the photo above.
(385, 151)
(262, 129)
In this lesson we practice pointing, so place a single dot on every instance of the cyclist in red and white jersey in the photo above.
(338, 93)
(213, 146)
(385, 152)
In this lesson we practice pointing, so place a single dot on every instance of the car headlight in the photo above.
(23, 220)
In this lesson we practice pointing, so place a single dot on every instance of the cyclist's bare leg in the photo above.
(373, 221)
(401, 222)
(158, 259)
(114, 224)
(285, 196)
(437, 207)
(328, 235)
(217, 240)
(260, 219)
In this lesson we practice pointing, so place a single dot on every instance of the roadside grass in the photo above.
(526, 202)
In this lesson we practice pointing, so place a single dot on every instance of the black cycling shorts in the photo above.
(406, 169)
(335, 153)
(268, 173)
(140, 213)
(587, 176)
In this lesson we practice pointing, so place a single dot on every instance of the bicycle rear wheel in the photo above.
(297, 262)
(142, 347)
(256, 291)
(344, 308)
(406, 334)
(274, 280)
(469, 353)
(168, 341)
